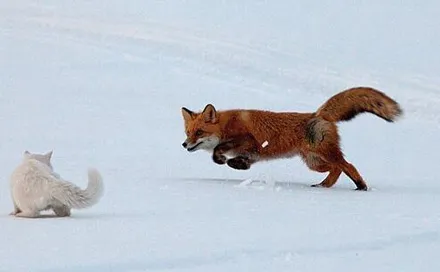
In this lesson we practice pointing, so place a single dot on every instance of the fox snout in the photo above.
(192, 146)
(188, 146)
(206, 143)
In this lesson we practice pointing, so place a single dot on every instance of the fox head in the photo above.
(202, 129)
(43, 158)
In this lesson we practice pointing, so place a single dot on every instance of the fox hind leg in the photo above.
(354, 175)
(318, 164)
(325, 150)
(336, 168)
(331, 179)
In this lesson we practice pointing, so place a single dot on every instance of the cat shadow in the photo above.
(77, 216)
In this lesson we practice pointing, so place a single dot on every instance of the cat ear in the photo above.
(48, 155)
(26, 152)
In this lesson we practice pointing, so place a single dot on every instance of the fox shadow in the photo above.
(251, 182)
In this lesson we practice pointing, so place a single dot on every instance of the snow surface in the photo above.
(102, 82)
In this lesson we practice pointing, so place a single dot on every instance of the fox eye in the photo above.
(199, 132)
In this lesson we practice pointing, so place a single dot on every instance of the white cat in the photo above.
(35, 187)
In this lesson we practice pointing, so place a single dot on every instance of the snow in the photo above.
(102, 84)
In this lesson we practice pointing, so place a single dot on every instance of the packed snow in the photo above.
(101, 83)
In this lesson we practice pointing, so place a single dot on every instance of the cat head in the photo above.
(43, 158)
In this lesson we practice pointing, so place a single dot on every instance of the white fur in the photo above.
(206, 143)
(230, 155)
(35, 187)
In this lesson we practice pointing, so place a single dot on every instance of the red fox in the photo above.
(249, 136)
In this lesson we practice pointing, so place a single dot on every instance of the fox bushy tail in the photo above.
(74, 197)
(347, 104)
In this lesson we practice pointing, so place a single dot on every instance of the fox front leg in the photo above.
(219, 151)
(242, 147)
(240, 163)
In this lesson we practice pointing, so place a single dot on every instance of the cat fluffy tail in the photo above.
(74, 197)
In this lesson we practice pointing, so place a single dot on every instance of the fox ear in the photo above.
(210, 114)
(187, 114)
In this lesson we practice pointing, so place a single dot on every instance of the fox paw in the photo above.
(361, 186)
(321, 185)
(219, 159)
(239, 163)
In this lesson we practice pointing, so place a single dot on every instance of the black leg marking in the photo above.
(219, 159)
(239, 163)
(242, 146)
(221, 149)
(361, 186)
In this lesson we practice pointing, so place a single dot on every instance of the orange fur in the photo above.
(255, 135)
